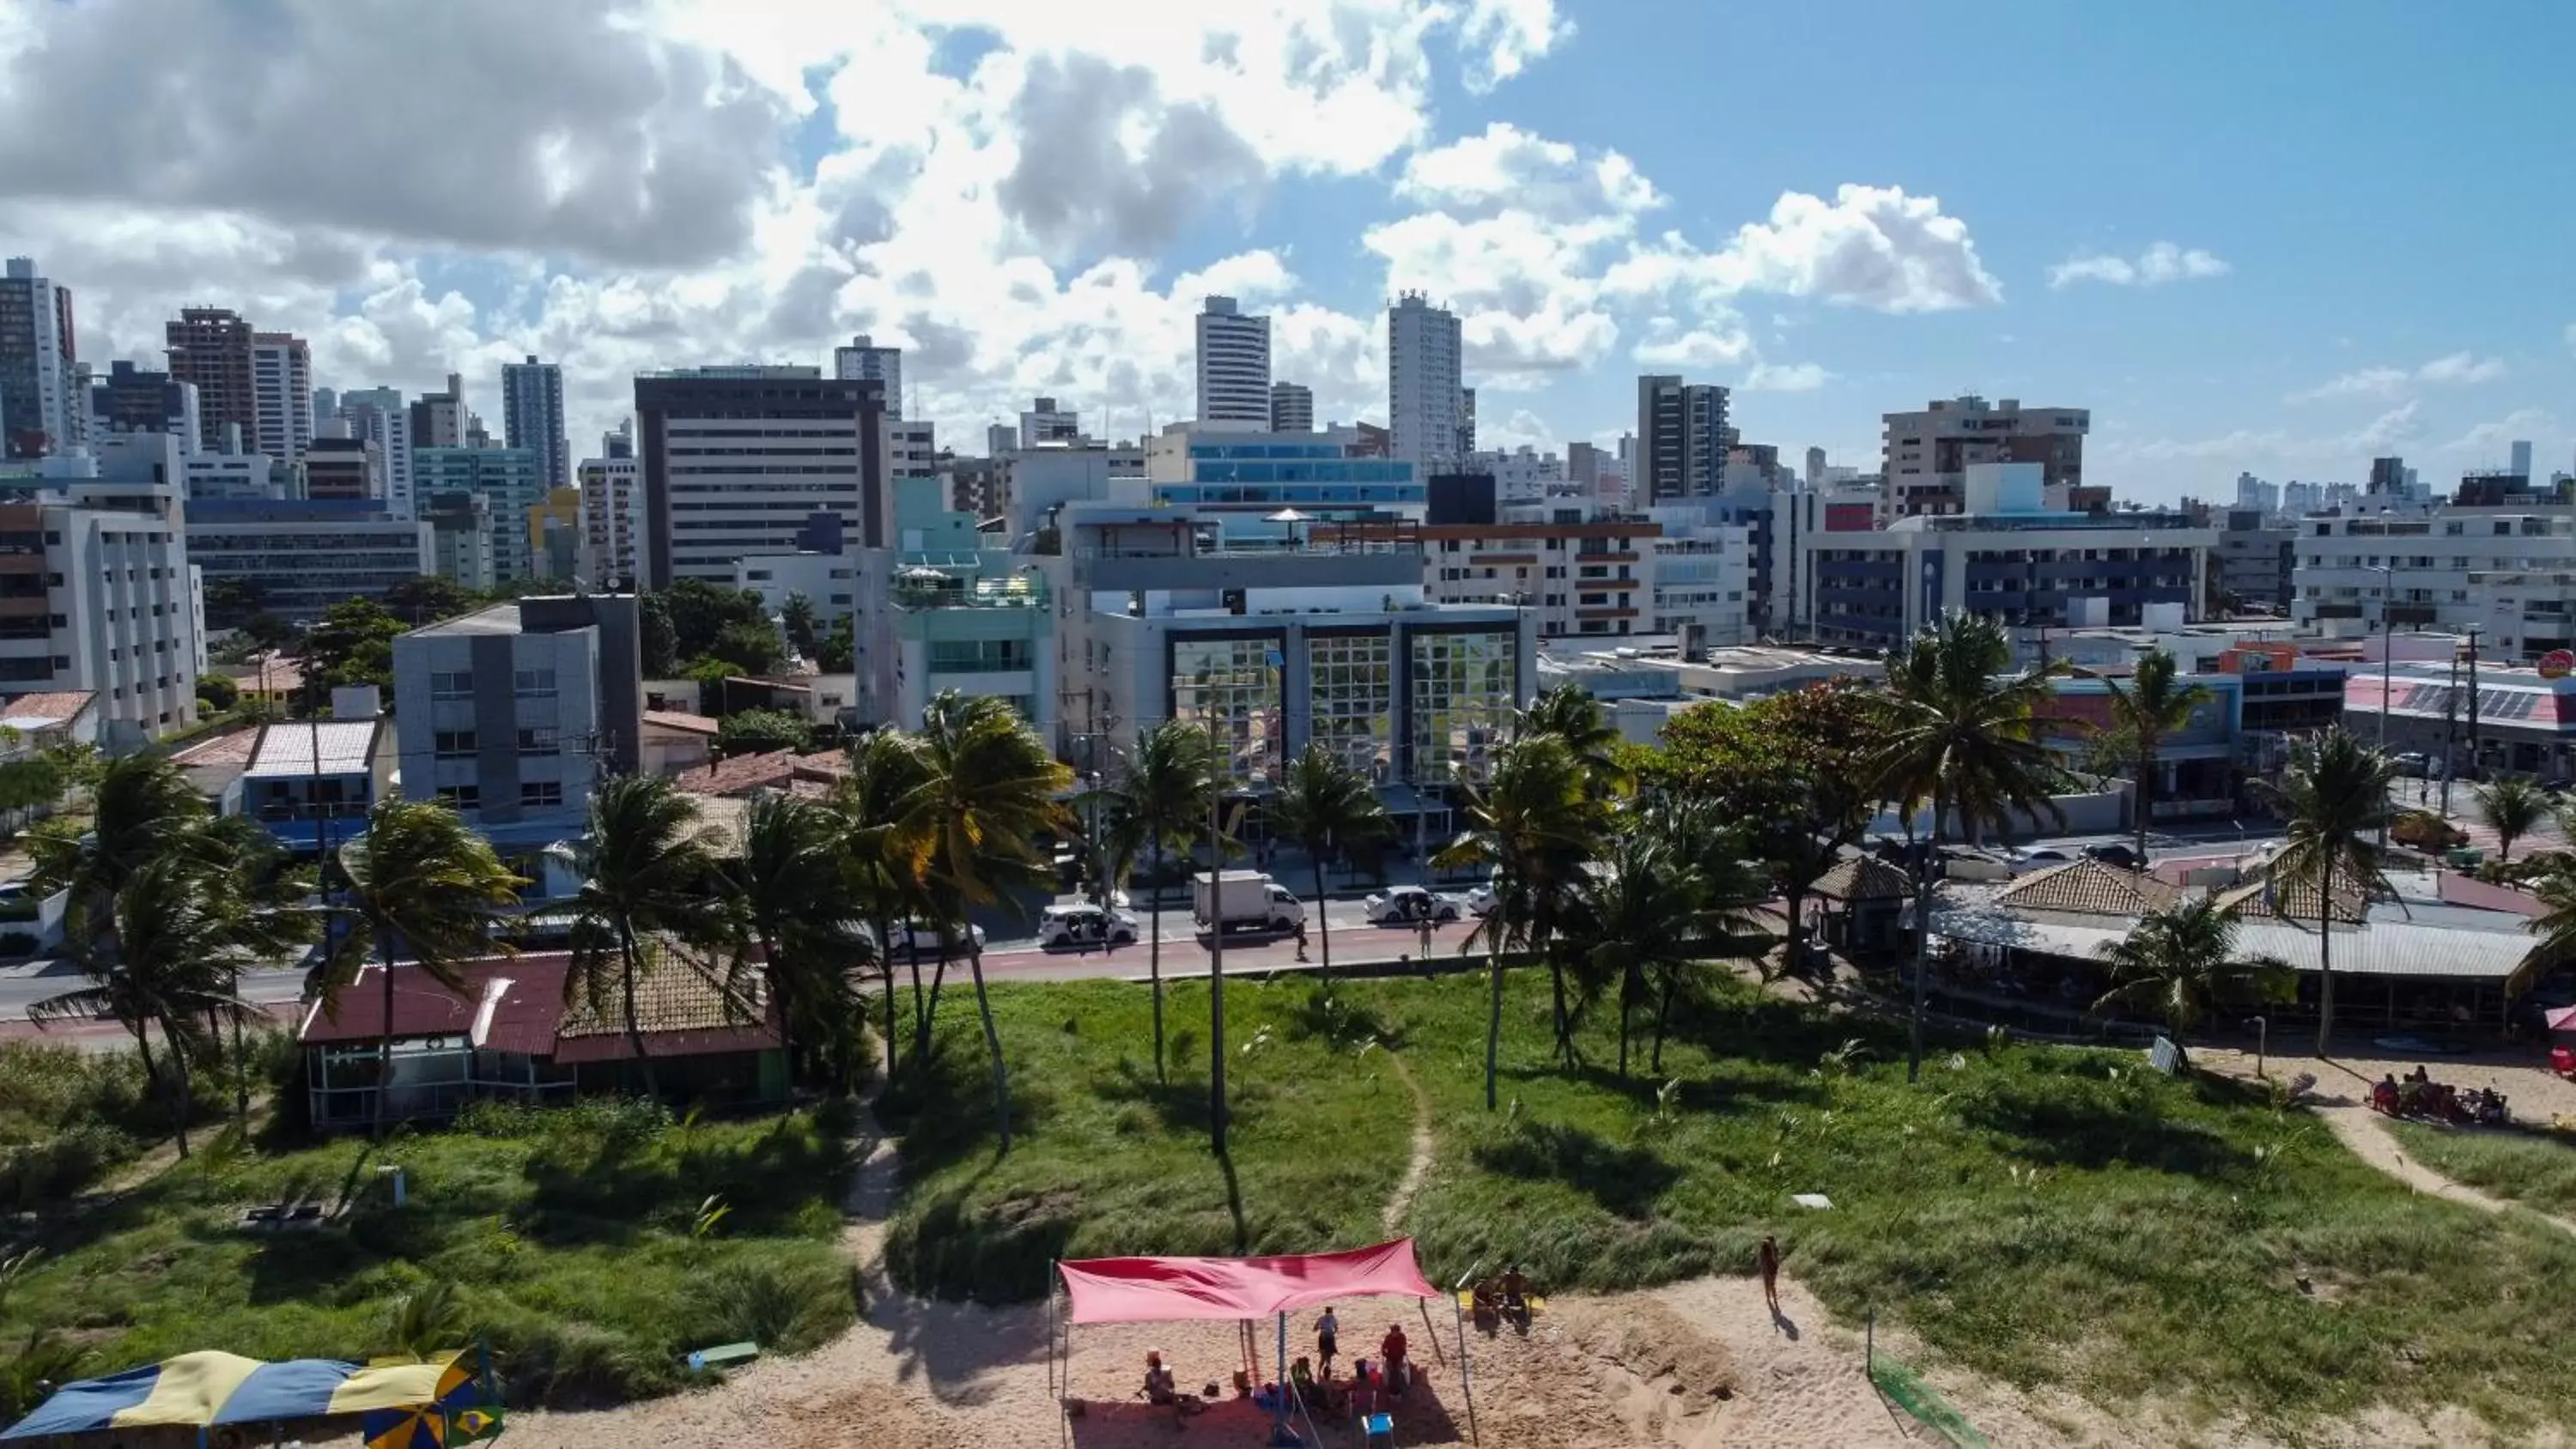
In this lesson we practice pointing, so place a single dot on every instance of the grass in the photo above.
(2521, 1165)
(570, 1237)
(2042, 1216)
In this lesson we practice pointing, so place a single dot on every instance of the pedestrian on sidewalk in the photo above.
(1301, 938)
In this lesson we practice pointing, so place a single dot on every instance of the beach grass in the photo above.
(2520, 1164)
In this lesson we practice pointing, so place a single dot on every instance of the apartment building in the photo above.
(864, 361)
(210, 349)
(752, 460)
(299, 556)
(2255, 557)
(612, 519)
(946, 610)
(532, 417)
(1292, 408)
(1232, 469)
(1682, 439)
(42, 406)
(513, 480)
(1233, 364)
(1426, 406)
(344, 468)
(281, 385)
(132, 400)
(2506, 567)
(1927, 452)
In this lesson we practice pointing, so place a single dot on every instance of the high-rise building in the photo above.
(510, 480)
(1044, 422)
(532, 417)
(344, 468)
(612, 517)
(1815, 466)
(379, 415)
(130, 400)
(1234, 364)
(864, 361)
(2521, 465)
(281, 380)
(2388, 476)
(2253, 492)
(1681, 439)
(326, 408)
(1292, 408)
(1425, 412)
(619, 441)
(1466, 423)
(1927, 453)
(441, 419)
(745, 460)
(210, 347)
(40, 412)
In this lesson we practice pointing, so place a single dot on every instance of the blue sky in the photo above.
(2305, 234)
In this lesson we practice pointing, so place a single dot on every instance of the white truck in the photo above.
(1235, 900)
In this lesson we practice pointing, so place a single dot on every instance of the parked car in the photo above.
(1085, 925)
(2425, 830)
(2411, 763)
(1480, 899)
(2023, 862)
(1406, 904)
(2119, 855)
(921, 938)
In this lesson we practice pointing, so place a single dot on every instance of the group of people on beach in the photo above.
(2418, 1095)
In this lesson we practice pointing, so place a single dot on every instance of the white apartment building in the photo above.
(1292, 408)
(228, 475)
(1926, 453)
(1703, 584)
(38, 366)
(379, 415)
(532, 417)
(756, 460)
(1682, 439)
(612, 519)
(1234, 365)
(2509, 570)
(1044, 422)
(281, 383)
(829, 581)
(1425, 412)
(912, 448)
(1521, 473)
(864, 361)
(95, 590)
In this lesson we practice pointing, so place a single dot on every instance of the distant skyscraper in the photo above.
(130, 400)
(1815, 466)
(2388, 476)
(40, 412)
(532, 417)
(211, 348)
(1425, 411)
(1234, 365)
(1046, 423)
(864, 361)
(618, 442)
(1681, 439)
(1466, 422)
(2521, 459)
(326, 406)
(379, 415)
(440, 419)
(281, 380)
(1292, 408)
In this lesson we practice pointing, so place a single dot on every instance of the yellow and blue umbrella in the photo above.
(211, 1388)
(456, 1410)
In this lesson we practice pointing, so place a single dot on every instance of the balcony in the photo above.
(921, 588)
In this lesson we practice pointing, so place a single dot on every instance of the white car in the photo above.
(921, 938)
(1405, 905)
(1085, 926)
(1480, 899)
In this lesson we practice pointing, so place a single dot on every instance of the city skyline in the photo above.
(2265, 279)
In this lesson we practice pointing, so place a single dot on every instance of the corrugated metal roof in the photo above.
(2382, 948)
(288, 749)
(48, 710)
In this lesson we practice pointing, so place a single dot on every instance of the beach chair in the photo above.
(1378, 1431)
(2562, 1060)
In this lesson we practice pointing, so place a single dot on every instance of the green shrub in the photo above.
(217, 693)
(70, 1162)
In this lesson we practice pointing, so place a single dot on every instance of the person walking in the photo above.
(1767, 1258)
(1327, 1334)
(1301, 938)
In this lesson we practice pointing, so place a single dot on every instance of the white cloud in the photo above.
(1699, 348)
(2488, 442)
(2459, 369)
(1871, 246)
(1786, 377)
(2160, 263)
(1507, 168)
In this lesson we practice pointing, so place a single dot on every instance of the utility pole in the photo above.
(1216, 941)
(2450, 731)
(2477, 769)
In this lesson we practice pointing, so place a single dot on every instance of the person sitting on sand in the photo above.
(1391, 1349)
(1488, 1300)
(2384, 1096)
(1515, 1290)
(1360, 1396)
(2420, 1075)
(1161, 1390)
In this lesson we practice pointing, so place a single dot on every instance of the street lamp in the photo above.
(2387, 595)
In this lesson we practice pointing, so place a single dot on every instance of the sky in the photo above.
(2245, 239)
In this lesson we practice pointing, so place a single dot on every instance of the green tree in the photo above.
(2181, 962)
(1964, 740)
(2556, 924)
(216, 693)
(657, 637)
(2513, 807)
(419, 883)
(1534, 821)
(353, 644)
(839, 651)
(882, 865)
(803, 625)
(428, 599)
(651, 873)
(1327, 807)
(988, 791)
(2156, 705)
(230, 601)
(2334, 793)
(759, 731)
(1570, 713)
(752, 647)
(267, 631)
(1160, 803)
(1638, 911)
(700, 612)
(789, 886)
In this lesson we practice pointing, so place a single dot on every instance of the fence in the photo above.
(1900, 1385)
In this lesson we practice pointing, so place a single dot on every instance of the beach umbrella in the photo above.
(2563, 1019)
(455, 1413)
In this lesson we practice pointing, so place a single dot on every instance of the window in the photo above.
(542, 740)
(533, 683)
(1351, 686)
(456, 685)
(1462, 694)
(453, 744)
(1233, 687)
(462, 797)
(536, 794)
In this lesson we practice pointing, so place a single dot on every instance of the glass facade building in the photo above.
(1271, 473)
(1462, 685)
(1350, 681)
(1233, 687)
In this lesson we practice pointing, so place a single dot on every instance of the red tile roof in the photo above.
(517, 1004)
(232, 747)
(681, 720)
(774, 770)
(61, 706)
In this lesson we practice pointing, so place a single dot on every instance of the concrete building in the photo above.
(612, 519)
(1702, 577)
(1232, 469)
(513, 713)
(864, 361)
(2254, 493)
(1522, 473)
(326, 408)
(1682, 438)
(1233, 364)
(442, 420)
(1044, 422)
(131, 400)
(210, 349)
(281, 382)
(947, 610)
(1425, 411)
(1927, 453)
(756, 460)
(532, 417)
(461, 531)
(344, 468)
(95, 589)
(2008, 555)
(300, 556)
(1035, 484)
(2506, 567)
(230, 474)
(912, 448)
(828, 581)
(42, 409)
(1292, 408)
(555, 536)
(2255, 558)
(379, 415)
(512, 481)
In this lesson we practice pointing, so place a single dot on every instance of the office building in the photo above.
(232, 475)
(2007, 555)
(1815, 473)
(512, 714)
(2255, 560)
(96, 594)
(326, 408)
(210, 349)
(1521, 473)
(612, 519)
(1425, 409)
(864, 361)
(912, 449)
(1227, 469)
(750, 460)
(299, 556)
(1574, 566)
(1927, 453)
(512, 480)
(461, 530)
(2521, 458)
(1234, 364)
(1044, 422)
(1701, 584)
(281, 381)
(1035, 484)
(131, 400)
(1682, 438)
(1292, 408)
(344, 468)
(379, 415)
(441, 419)
(618, 442)
(41, 408)
(532, 417)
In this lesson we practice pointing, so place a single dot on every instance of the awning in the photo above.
(1158, 1290)
(224, 1388)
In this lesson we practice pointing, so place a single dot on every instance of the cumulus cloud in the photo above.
(1786, 377)
(2160, 263)
(1105, 162)
(1703, 348)
(1871, 246)
(2459, 369)
(1507, 168)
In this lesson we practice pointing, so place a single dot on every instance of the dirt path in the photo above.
(1399, 1202)
(2360, 1129)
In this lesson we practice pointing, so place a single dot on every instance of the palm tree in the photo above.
(418, 881)
(2156, 705)
(885, 765)
(1535, 821)
(2513, 807)
(2333, 794)
(1966, 742)
(989, 790)
(788, 888)
(2556, 925)
(1640, 910)
(1162, 802)
(1324, 805)
(2180, 961)
(651, 869)
(1570, 713)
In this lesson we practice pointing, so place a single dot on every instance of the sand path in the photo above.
(1400, 1201)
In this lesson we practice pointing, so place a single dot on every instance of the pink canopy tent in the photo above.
(2563, 1019)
